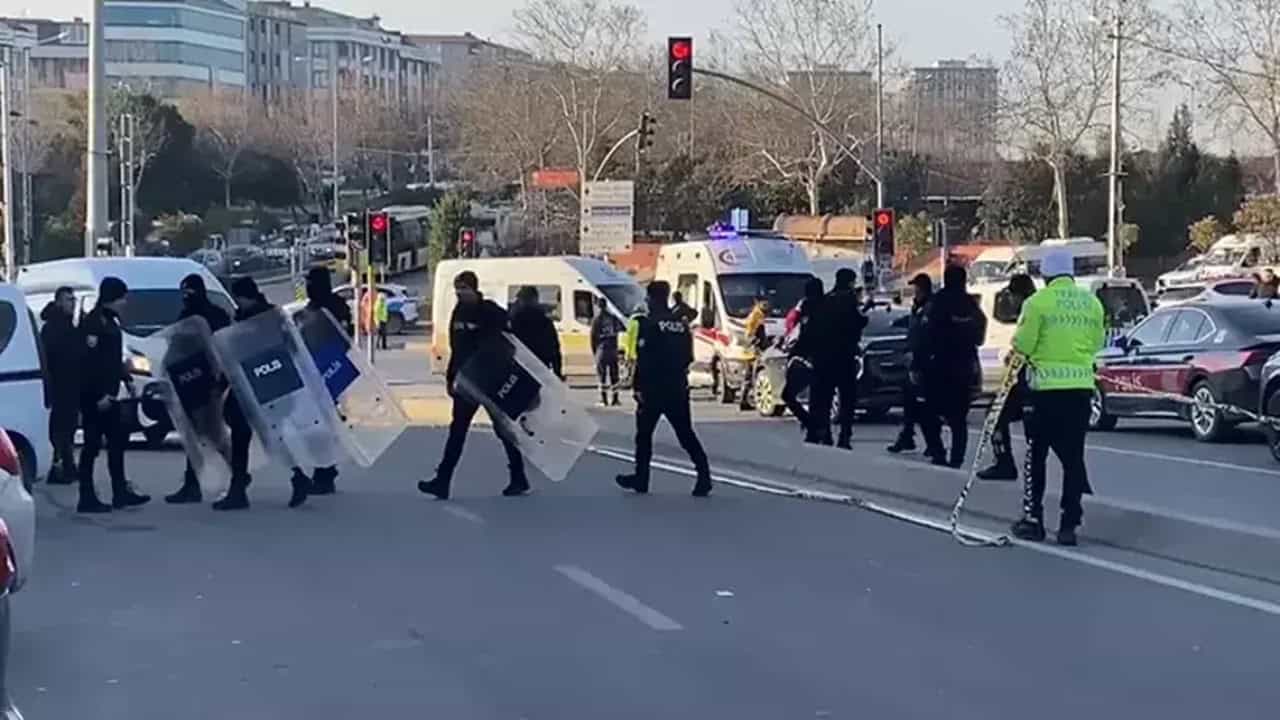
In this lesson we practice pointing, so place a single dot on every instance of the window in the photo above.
(1240, 288)
(1189, 326)
(317, 50)
(1124, 305)
(626, 298)
(1153, 331)
(8, 324)
(584, 306)
(687, 286)
(342, 50)
(709, 316)
(782, 290)
(548, 298)
(319, 78)
(277, 29)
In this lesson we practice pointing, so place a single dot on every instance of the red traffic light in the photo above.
(681, 50)
(884, 219)
(378, 223)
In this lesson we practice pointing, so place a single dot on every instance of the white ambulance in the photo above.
(720, 275)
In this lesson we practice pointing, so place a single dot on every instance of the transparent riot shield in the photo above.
(528, 404)
(280, 391)
(192, 389)
(366, 407)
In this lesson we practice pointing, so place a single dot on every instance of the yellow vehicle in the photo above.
(568, 288)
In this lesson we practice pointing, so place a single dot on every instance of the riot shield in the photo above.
(182, 361)
(528, 404)
(366, 407)
(280, 391)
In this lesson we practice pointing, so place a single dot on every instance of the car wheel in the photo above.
(156, 436)
(395, 324)
(766, 400)
(1099, 419)
(1207, 421)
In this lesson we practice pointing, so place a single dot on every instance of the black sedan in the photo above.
(1211, 352)
(882, 374)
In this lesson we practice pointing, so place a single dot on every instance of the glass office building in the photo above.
(171, 48)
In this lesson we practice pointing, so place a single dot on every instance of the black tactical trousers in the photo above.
(98, 424)
(674, 405)
(464, 411)
(1059, 422)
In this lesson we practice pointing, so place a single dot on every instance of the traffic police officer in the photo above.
(1060, 330)
(104, 373)
(664, 351)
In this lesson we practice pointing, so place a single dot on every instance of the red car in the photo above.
(1209, 351)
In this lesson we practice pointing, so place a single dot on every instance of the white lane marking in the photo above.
(777, 487)
(619, 599)
(463, 514)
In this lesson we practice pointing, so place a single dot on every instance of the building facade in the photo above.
(953, 109)
(458, 53)
(277, 53)
(171, 48)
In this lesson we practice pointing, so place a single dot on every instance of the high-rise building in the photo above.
(458, 53)
(277, 53)
(172, 47)
(952, 111)
(58, 52)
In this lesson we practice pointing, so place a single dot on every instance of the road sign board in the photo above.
(608, 216)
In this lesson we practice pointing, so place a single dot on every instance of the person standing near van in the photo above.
(320, 297)
(475, 320)
(605, 329)
(195, 303)
(64, 352)
(957, 327)
(665, 351)
(912, 404)
(103, 376)
(840, 323)
(532, 326)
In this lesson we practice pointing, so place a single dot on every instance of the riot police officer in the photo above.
(104, 375)
(195, 303)
(840, 323)
(956, 328)
(320, 297)
(664, 351)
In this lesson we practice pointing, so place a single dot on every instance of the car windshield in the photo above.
(1253, 318)
(1123, 304)
(985, 270)
(1224, 257)
(1181, 293)
(1192, 263)
(882, 322)
(626, 297)
(782, 290)
(148, 311)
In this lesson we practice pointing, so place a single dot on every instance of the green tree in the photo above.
(914, 234)
(1204, 232)
(1260, 216)
(451, 213)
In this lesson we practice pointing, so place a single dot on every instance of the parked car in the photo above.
(244, 260)
(882, 374)
(1212, 351)
(17, 549)
(1205, 290)
(22, 391)
(402, 305)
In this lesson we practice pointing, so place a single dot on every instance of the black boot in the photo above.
(123, 496)
(702, 488)
(633, 483)
(846, 440)
(58, 475)
(518, 486)
(1002, 469)
(301, 488)
(439, 487)
(616, 400)
(1067, 536)
(1028, 529)
(904, 443)
(604, 399)
(188, 493)
(89, 503)
(322, 481)
(237, 497)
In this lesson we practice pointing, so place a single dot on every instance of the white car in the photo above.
(22, 393)
(402, 305)
(1207, 290)
(17, 549)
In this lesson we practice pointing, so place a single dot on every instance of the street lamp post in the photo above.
(10, 256)
(1114, 247)
(96, 185)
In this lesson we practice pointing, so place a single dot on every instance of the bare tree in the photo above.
(1234, 46)
(819, 55)
(225, 128)
(151, 130)
(301, 134)
(1056, 86)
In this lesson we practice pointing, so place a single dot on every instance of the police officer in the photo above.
(912, 406)
(474, 321)
(320, 297)
(1009, 302)
(799, 345)
(957, 327)
(682, 309)
(64, 352)
(605, 329)
(195, 303)
(1060, 331)
(664, 353)
(533, 327)
(103, 375)
(840, 323)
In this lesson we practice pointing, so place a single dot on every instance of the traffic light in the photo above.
(104, 246)
(883, 223)
(648, 123)
(379, 235)
(679, 68)
(466, 242)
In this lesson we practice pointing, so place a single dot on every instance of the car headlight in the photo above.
(138, 365)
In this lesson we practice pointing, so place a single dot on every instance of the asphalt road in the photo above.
(582, 602)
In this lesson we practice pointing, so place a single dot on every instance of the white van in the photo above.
(153, 303)
(720, 277)
(568, 287)
(23, 413)
(1231, 256)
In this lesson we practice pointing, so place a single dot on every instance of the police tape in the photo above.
(1194, 403)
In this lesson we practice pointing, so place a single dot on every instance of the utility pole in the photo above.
(1113, 176)
(96, 186)
(27, 149)
(6, 157)
(128, 176)
(879, 115)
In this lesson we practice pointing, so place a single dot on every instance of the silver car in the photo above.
(17, 544)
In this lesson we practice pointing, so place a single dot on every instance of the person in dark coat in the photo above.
(957, 327)
(195, 303)
(799, 343)
(474, 322)
(103, 375)
(64, 353)
(682, 309)
(1008, 306)
(532, 326)
(320, 297)
(835, 359)
(912, 394)
(605, 329)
